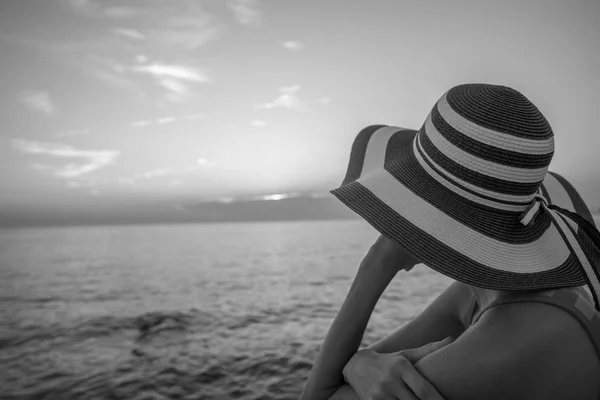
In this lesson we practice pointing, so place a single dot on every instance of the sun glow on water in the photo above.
(280, 196)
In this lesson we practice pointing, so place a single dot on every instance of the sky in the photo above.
(111, 105)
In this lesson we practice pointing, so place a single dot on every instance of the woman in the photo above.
(469, 195)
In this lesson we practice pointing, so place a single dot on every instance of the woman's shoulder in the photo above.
(517, 351)
(551, 344)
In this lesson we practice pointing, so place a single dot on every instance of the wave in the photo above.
(35, 300)
(145, 325)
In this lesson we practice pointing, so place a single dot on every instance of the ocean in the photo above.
(214, 311)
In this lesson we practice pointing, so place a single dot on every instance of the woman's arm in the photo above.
(442, 318)
(346, 332)
(407, 377)
(344, 392)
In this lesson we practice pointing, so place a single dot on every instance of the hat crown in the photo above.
(489, 138)
(499, 108)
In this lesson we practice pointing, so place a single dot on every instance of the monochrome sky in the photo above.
(123, 102)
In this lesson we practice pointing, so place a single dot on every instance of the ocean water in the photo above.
(220, 311)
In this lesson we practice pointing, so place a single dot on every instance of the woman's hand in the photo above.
(375, 376)
(388, 256)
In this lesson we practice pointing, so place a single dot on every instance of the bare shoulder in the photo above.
(554, 343)
(517, 351)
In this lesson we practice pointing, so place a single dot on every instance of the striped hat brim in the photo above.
(390, 184)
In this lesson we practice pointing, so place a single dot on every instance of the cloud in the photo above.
(165, 120)
(258, 123)
(174, 78)
(246, 11)
(174, 71)
(129, 33)
(141, 124)
(174, 85)
(38, 101)
(93, 159)
(179, 90)
(286, 99)
(293, 45)
(75, 170)
(324, 100)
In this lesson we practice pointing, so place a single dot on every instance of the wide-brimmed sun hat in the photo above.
(470, 196)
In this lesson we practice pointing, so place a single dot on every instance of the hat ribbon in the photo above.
(559, 218)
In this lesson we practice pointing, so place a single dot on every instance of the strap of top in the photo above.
(572, 301)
